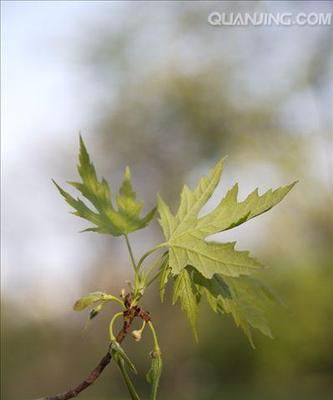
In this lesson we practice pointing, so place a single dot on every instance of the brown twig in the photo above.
(129, 315)
(90, 379)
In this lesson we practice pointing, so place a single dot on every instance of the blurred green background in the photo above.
(154, 86)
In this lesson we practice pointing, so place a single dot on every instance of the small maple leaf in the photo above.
(121, 221)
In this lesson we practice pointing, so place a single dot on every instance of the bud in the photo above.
(122, 293)
(136, 335)
(93, 313)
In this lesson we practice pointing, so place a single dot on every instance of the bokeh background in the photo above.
(154, 86)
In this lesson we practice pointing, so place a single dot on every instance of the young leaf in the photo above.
(154, 373)
(105, 217)
(214, 288)
(92, 298)
(118, 351)
(88, 300)
(121, 364)
(245, 298)
(95, 311)
(185, 290)
(249, 304)
(185, 234)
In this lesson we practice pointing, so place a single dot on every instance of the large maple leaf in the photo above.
(186, 238)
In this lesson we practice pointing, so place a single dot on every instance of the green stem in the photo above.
(129, 384)
(153, 278)
(114, 298)
(155, 264)
(156, 345)
(112, 336)
(142, 326)
(152, 250)
(136, 270)
(131, 253)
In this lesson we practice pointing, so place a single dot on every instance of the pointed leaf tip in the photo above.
(107, 220)
(128, 174)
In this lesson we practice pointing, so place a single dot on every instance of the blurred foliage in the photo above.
(175, 96)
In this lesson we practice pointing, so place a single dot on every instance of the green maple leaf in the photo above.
(222, 269)
(248, 305)
(106, 219)
(247, 299)
(185, 233)
(185, 290)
